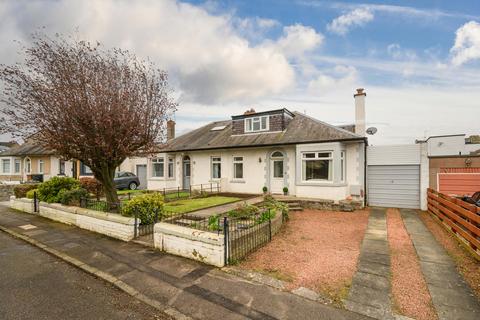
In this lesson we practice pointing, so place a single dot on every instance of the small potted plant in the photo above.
(265, 189)
(285, 191)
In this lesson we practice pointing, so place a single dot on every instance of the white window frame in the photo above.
(15, 162)
(171, 173)
(159, 160)
(316, 158)
(343, 166)
(4, 161)
(249, 123)
(215, 160)
(41, 166)
(238, 160)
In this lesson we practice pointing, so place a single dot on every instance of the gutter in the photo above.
(365, 144)
(359, 139)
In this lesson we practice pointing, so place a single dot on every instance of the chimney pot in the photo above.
(360, 92)
(248, 112)
(170, 130)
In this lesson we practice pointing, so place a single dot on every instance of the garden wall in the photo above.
(207, 247)
(110, 224)
(6, 190)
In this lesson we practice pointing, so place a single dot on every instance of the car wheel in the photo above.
(132, 186)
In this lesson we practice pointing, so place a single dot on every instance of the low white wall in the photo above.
(112, 225)
(207, 247)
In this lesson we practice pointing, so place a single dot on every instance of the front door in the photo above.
(276, 172)
(186, 172)
(142, 175)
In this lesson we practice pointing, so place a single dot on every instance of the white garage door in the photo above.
(396, 186)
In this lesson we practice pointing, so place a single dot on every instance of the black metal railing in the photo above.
(101, 205)
(204, 223)
(177, 193)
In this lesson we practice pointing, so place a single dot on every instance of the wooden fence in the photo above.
(462, 218)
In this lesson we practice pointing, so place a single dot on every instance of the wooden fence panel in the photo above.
(462, 218)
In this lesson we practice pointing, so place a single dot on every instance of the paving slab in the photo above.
(451, 295)
(370, 291)
(171, 283)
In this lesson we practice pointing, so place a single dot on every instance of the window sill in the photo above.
(322, 184)
(238, 181)
(157, 178)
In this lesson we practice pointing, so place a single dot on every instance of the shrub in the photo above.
(31, 193)
(92, 185)
(21, 190)
(271, 203)
(244, 210)
(265, 189)
(72, 197)
(145, 205)
(285, 190)
(48, 190)
(266, 215)
(214, 223)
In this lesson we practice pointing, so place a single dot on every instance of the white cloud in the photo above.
(208, 58)
(341, 77)
(398, 53)
(355, 18)
(467, 43)
(298, 39)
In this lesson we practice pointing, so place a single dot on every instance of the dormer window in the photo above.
(256, 124)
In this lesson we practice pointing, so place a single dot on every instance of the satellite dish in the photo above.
(371, 131)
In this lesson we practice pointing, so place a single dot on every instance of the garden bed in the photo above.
(190, 205)
(317, 250)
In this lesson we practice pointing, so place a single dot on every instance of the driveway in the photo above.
(35, 285)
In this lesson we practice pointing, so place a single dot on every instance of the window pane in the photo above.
(40, 166)
(317, 169)
(17, 166)
(237, 158)
(256, 125)
(216, 170)
(187, 169)
(248, 124)
(277, 154)
(216, 159)
(278, 169)
(238, 170)
(157, 169)
(170, 168)
(309, 155)
(264, 123)
(324, 154)
(6, 166)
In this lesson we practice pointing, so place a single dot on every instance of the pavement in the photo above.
(180, 287)
(36, 285)
(225, 207)
(451, 295)
(370, 291)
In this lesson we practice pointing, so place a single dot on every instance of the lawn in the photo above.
(189, 205)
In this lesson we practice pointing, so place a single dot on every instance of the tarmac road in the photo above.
(36, 285)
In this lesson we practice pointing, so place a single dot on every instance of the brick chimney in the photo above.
(360, 126)
(170, 130)
(249, 112)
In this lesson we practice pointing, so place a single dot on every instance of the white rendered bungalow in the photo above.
(273, 149)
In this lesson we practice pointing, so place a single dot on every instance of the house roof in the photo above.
(301, 129)
(29, 148)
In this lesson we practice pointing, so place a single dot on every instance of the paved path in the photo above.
(451, 295)
(170, 282)
(370, 291)
(36, 285)
(225, 207)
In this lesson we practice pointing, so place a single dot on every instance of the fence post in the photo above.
(225, 239)
(178, 192)
(269, 225)
(129, 198)
(190, 191)
(201, 188)
(211, 188)
(35, 201)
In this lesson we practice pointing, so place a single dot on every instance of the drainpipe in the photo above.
(365, 144)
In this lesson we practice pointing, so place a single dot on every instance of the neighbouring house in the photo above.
(276, 149)
(4, 146)
(30, 161)
(454, 163)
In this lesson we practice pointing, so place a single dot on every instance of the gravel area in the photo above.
(409, 289)
(316, 249)
(467, 265)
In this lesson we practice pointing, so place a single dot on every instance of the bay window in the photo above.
(238, 167)
(317, 166)
(216, 167)
(158, 167)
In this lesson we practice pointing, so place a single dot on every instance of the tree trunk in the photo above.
(106, 178)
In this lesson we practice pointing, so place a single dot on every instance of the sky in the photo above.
(419, 61)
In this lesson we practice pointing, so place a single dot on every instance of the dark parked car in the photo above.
(474, 199)
(126, 180)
